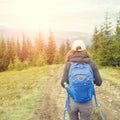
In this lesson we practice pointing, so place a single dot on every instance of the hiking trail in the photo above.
(52, 105)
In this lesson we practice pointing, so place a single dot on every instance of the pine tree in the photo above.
(106, 43)
(51, 49)
(95, 44)
(11, 50)
(107, 26)
(117, 41)
(40, 57)
(100, 42)
(3, 55)
(18, 65)
(18, 48)
(30, 50)
(57, 58)
(24, 50)
(39, 44)
(62, 52)
(67, 46)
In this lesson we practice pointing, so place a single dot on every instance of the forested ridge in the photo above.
(105, 48)
(18, 55)
(106, 43)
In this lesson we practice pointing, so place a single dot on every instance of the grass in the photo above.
(20, 91)
(112, 75)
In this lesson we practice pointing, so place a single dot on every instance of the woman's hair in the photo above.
(72, 52)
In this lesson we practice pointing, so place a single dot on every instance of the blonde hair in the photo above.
(72, 52)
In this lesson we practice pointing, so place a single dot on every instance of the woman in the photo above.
(78, 53)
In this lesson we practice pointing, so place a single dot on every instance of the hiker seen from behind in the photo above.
(80, 75)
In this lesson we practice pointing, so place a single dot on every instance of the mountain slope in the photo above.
(60, 36)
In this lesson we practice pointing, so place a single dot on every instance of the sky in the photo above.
(67, 15)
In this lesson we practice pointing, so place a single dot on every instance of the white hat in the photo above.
(78, 43)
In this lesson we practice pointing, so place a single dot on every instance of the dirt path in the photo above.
(52, 106)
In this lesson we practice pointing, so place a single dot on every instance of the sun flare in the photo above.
(39, 14)
(74, 15)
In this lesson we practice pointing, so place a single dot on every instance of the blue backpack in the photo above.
(81, 87)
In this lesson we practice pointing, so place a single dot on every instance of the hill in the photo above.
(60, 36)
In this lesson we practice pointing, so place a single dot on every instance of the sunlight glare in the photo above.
(39, 14)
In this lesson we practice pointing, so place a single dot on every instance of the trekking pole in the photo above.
(66, 109)
(64, 114)
(98, 107)
(66, 103)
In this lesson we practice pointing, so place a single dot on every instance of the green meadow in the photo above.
(112, 75)
(20, 91)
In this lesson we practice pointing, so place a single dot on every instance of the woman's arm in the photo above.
(65, 74)
(97, 77)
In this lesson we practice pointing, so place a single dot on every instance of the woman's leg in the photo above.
(73, 110)
(85, 110)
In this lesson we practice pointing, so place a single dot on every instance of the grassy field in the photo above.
(20, 91)
(112, 75)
